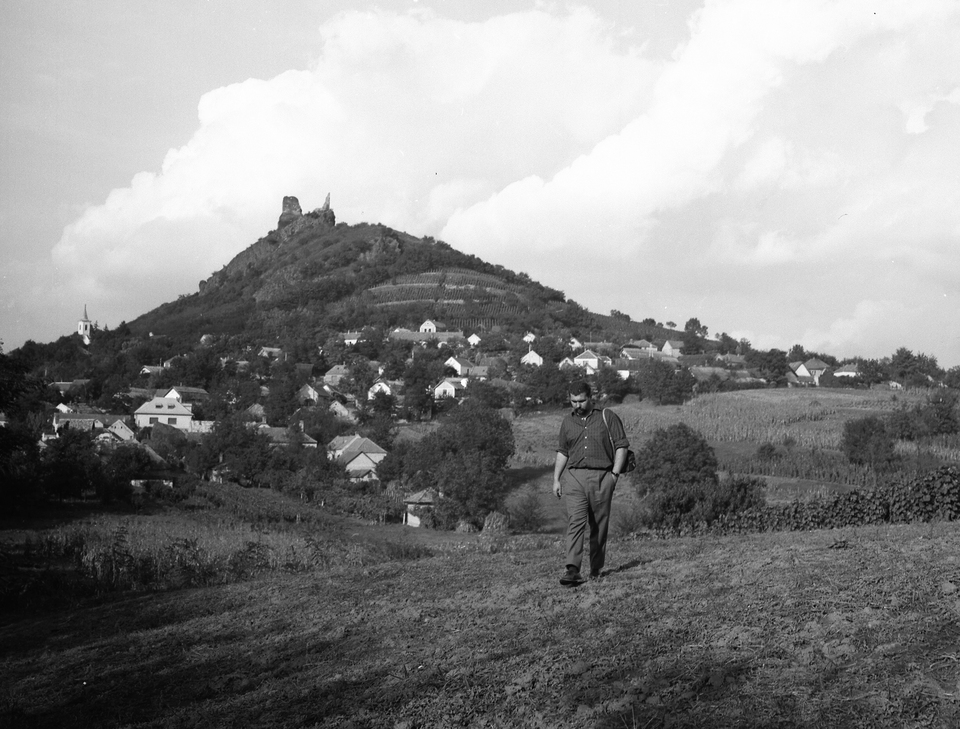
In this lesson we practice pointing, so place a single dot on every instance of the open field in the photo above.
(240, 607)
(852, 628)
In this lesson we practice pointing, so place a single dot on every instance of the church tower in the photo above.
(84, 326)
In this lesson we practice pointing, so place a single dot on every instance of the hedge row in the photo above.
(935, 496)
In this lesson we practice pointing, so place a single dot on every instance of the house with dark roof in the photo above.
(280, 437)
(358, 455)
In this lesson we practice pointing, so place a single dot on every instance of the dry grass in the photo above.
(857, 628)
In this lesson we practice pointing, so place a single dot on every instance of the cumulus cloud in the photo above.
(789, 170)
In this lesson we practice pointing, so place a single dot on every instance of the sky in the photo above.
(784, 171)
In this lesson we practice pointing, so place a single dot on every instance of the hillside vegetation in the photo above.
(314, 276)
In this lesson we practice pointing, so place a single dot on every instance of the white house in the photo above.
(280, 437)
(450, 387)
(163, 410)
(848, 370)
(359, 456)
(532, 358)
(387, 387)
(270, 352)
(430, 327)
(122, 431)
(308, 394)
(474, 340)
(421, 500)
(529, 337)
(187, 395)
(672, 348)
(459, 365)
(351, 338)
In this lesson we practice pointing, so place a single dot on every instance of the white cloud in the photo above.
(790, 162)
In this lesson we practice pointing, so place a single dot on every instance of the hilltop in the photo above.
(312, 275)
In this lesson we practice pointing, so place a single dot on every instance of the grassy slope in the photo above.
(847, 628)
(832, 629)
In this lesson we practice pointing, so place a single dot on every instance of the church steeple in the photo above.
(84, 326)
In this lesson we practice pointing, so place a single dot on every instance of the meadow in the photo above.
(241, 607)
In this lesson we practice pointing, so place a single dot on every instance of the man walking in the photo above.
(590, 458)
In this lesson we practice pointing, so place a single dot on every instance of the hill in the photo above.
(312, 276)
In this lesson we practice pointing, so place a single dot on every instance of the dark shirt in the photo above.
(586, 441)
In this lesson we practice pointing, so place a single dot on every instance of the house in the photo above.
(733, 360)
(341, 411)
(816, 368)
(431, 327)
(416, 504)
(643, 344)
(532, 358)
(425, 338)
(590, 361)
(280, 437)
(450, 387)
(151, 370)
(308, 395)
(359, 456)
(847, 370)
(270, 352)
(85, 421)
(473, 340)
(172, 361)
(187, 395)
(529, 337)
(122, 431)
(672, 348)
(336, 374)
(164, 410)
(626, 367)
(387, 387)
(4, 420)
(351, 338)
(256, 413)
(459, 365)
(69, 388)
(633, 353)
(575, 343)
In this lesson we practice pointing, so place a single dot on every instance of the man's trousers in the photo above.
(587, 494)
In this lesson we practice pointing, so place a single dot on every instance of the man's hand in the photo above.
(557, 489)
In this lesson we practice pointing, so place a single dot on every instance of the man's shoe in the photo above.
(571, 577)
(595, 574)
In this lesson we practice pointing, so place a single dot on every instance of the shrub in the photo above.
(525, 511)
(867, 441)
(692, 506)
(767, 452)
(673, 458)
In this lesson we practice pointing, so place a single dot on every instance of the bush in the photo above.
(692, 506)
(525, 511)
(674, 458)
(867, 441)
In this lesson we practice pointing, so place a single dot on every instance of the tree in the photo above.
(693, 326)
(235, 442)
(867, 441)
(70, 464)
(673, 457)
(466, 462)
